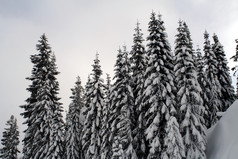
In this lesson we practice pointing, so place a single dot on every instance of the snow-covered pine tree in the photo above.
(87, 97)
(192, 126)
(158, 98)
(105, 130)
(213, 91)
(199, 66)
(10, 140)
(44, 134)
(235, 69)
(223, 75)
(28, 109)
(138, 66)
(202, 82)
(57, 142)
(122, 104)
(73, 123)
(91, 139)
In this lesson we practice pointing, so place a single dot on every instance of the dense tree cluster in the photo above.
(159, 106)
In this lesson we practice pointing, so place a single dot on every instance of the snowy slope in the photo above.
(223, 137)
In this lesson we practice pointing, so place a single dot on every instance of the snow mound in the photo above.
(223, 137)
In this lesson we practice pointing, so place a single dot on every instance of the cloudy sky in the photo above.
(77, 29)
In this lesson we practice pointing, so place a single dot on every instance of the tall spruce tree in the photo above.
(223, 75)
(122, 104)
(158, 98)
(74, 124)
(138, 66)
(235, 58)
(44, 134)
(105, 130)
(213, 92)
(10, 140)
(91, 139)
(188, 97)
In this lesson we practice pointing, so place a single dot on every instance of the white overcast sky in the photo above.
(77, 29)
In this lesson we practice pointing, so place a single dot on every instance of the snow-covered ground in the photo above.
(223, 137)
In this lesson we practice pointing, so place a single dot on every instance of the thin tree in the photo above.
(73, 123)
(235, 59)
(223, 75)
(200, 67)
(91, 139)
(189, 101)
(10, 140)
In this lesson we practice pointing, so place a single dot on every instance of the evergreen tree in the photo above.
(28, 109)
(188, 97)
(74, 123)
(235, 58)
(213, 91)
(44, 134)
(223, 75)
(138, 66)
(56, 141)
(158, 98)
(122, 104)
(203, 83)
(91, 139)
(105, 130)
(10, 140)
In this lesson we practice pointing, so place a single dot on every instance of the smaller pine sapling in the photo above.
(10, 140)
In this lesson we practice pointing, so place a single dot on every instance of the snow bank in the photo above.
(223, 137)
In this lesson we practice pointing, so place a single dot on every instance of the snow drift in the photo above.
(223, 137)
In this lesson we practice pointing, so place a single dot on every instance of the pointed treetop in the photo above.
(159, 16)
(206, 34)
(215, 38)
(124, 47)
(137, 24)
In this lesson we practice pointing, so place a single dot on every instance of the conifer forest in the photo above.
(159, 103)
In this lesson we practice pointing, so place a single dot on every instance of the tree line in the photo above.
(159, 105)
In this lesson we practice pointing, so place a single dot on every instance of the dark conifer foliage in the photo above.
(138, 66)
(158, 98)
(188, 97)
(223, 75)
(122, 104)
(213, 92)
(200, 67)
(74, 124)
(91, 139)
(235, 58)
(105, 130)
(10, 140)
(44, 133)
